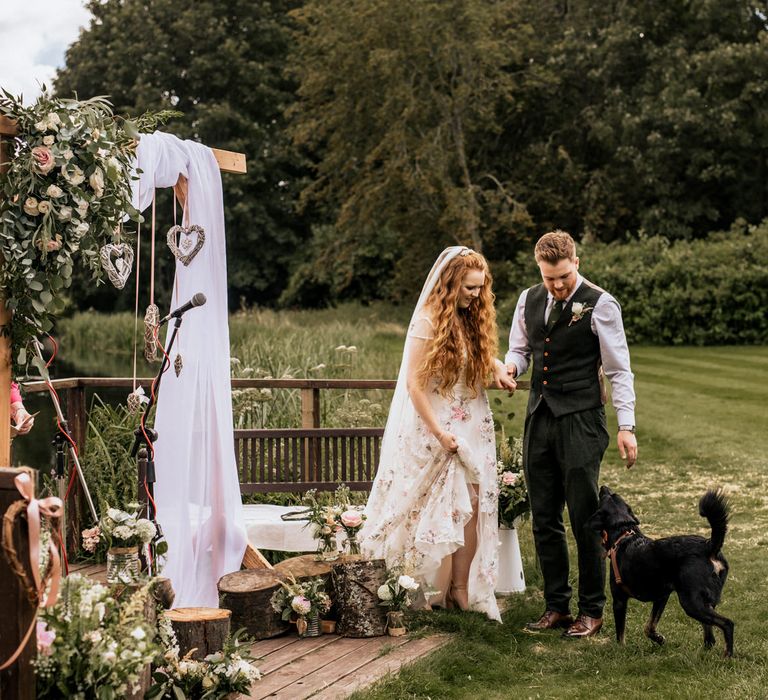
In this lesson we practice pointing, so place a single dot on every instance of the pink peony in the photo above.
(300, 605)
(44, 160)
(45, 638)
(509, 478)
(352, 518)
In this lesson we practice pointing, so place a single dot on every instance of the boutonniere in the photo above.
(578, 310)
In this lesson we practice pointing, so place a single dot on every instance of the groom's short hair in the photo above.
(555, 246)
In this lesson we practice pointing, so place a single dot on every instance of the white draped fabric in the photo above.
(422, 496)
(199, 506)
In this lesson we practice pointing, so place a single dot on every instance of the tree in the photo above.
(222, 65)
(399, 108)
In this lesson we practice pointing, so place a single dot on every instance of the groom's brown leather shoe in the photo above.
(584, 626)
(550, 620)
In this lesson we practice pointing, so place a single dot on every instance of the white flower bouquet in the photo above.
(396, 592)
(124, 528)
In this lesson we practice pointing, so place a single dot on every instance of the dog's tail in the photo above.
(715, 507)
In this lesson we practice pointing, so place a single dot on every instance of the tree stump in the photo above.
(247, 594)
(356, 582)
(305, 567)
(201, 629)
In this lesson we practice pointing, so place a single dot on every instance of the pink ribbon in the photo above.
(51, 508)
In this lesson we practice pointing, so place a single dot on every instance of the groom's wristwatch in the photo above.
(627, 428)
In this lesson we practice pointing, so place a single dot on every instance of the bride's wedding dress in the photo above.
(422, 496)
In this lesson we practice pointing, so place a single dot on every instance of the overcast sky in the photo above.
(34, 35)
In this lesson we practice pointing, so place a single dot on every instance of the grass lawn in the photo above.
(702, 421)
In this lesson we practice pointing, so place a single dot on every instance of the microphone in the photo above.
(197, 300)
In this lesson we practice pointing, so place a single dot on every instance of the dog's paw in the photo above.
(656, 637)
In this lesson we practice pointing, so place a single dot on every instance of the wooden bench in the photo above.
(299, 459)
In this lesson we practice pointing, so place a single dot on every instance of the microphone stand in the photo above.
(143, 450)
(61, 438)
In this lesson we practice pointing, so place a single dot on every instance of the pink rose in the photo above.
(45, 638)
(352, 518)
(509, 478)
(44, 161)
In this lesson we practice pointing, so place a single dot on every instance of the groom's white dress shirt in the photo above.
(607, 325)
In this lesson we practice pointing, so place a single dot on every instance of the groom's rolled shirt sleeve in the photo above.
(519, 352)
(609, 328)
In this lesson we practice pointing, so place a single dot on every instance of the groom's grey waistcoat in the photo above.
(566, 359)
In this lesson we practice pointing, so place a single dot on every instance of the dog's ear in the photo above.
(634, 517)
(596, 522)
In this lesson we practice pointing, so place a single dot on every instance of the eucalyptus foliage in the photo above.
(64, 196)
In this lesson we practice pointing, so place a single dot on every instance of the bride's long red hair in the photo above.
(475, 326)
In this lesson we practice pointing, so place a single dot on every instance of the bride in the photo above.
(433, 505)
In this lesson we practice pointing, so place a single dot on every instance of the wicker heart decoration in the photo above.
(117, 261)
(186, 250)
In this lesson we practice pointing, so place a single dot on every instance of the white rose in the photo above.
(31, 206)
(54, 191)
(72, 174)
(44, 207)
(407, 582)
(384, 593)
(65, 213)
(49, 140)
(41, 126)
(53, 121)
(96, 180)
(67, 154)
(577, 308)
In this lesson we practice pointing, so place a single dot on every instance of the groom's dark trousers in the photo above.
(565, 439)
(562, 469)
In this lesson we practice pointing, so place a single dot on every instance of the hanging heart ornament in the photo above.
(117, 261)
(151, 322)
(191, 240)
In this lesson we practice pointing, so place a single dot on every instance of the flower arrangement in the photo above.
(300, 602)
(216, 676)
(395, 592)
(88, 643)
(328, 519)
(513, 493)
(64, 196)
(123, 528)
(324, 522)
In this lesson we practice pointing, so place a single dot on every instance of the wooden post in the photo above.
(6, 129)
(18, 610)
(310, 418)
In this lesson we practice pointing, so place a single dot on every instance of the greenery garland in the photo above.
(65, 195)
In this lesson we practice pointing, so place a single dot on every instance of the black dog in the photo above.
(649, 570)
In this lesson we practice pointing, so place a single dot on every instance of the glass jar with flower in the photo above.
(395, 594)
(302, 603)
(124, 531)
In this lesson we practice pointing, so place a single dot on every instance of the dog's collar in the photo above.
(611, 553)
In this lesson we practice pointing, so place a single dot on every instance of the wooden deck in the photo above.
(327, 667)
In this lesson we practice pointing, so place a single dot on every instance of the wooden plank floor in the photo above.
(328, 667)
(98, 572)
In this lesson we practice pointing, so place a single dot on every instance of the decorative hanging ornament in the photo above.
(151, 323)
(135, 399)
(117, 261)
(178, 364)
(186, 249)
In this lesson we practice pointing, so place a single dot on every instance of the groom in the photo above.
(574, 332)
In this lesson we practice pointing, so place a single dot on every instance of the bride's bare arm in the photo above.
(419, 349)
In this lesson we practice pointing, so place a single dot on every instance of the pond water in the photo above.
(37, 448)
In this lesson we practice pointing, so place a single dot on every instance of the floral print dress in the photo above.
(422, 496)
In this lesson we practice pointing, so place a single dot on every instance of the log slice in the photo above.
(202, 629)
(247, 594)
(356, 582)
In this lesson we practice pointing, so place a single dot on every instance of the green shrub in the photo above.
(712, 291)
